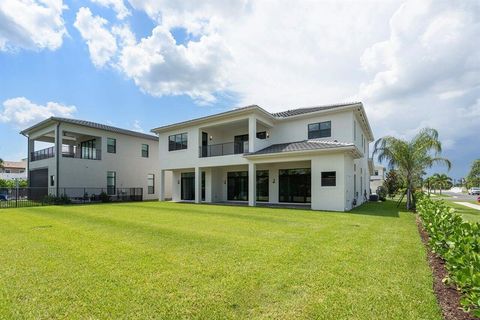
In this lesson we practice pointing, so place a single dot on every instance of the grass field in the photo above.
(469, 214)
(166, 260)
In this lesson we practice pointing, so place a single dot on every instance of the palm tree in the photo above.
(442, 181)
(429, 183)
(411, 158)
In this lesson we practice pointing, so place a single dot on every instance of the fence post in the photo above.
(84, 192)
(16, 196)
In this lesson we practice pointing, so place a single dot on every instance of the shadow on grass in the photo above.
(382, 209)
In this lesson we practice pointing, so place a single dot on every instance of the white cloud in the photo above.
(412, 63)
(117, 5)
(31, 24)
(22, 112)
(137, 126)
(101, 43)
(428, 71)
(161, 67)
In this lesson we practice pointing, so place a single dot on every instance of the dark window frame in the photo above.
(178, 141)
(262, 135)
(111, 188)
(319, 132)
(145, 152)
(262, 188)
(52, 180)
(111, 148)
(151, 188)
(329, 178)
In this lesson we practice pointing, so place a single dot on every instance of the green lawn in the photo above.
(469, 214)
(166, 260)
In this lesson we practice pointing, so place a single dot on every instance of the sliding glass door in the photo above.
(237, 186)
(295, 185)
(188, 186)
(262, 185)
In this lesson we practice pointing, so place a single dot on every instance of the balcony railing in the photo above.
(223, 149)
(81, 153)
(42, 154)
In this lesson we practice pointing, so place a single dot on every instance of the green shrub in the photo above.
(51, 199)
(104, 197)
(382, 193)
(458, 243)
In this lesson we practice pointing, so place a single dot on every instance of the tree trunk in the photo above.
(409, 200)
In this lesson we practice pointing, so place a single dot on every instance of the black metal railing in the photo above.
(42, 154)
(30, 197)
(81, 153)
(223, 149)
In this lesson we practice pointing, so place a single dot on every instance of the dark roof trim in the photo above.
(89, 124)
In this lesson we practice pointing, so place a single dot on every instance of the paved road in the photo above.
(460, 196)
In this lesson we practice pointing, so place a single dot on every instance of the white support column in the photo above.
(198, 185)
(252, 133)
(252, 184)
(161, 186)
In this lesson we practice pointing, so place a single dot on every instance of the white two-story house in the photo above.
(76, 157)
(316, 156)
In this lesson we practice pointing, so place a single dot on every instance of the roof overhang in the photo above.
(351, 149)
(215, 117)
(42, 124)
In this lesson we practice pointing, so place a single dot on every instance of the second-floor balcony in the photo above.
(67, 152)
(223, 149)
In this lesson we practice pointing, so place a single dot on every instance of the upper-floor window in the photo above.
(177, 142)
(111, 145)
(376, 172)
(262, 135)
(145, 150)
(320, 130)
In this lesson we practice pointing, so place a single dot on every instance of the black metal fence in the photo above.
(30, 197)
(223, 149)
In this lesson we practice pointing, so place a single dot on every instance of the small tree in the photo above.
(442, 181)
(411, 157)
(473, 178)
(392, 183)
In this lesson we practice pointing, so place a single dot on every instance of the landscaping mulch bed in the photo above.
(448, 297)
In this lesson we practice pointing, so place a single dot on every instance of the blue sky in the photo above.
(139, 64)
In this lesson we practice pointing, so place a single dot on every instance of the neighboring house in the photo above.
(313, 156)
(85, 154)
(14, 170)
(377, 179)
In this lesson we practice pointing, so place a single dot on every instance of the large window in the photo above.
(111, 182)
(151, 183)
(295, 185)
(177, 142)
(262, 185)
(88, 149)
(145, 150)
(237, 186)
(111, 145)
(329, 179)
(320, 130)
(188, 186)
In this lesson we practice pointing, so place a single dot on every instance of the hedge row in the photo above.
(458, 243)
